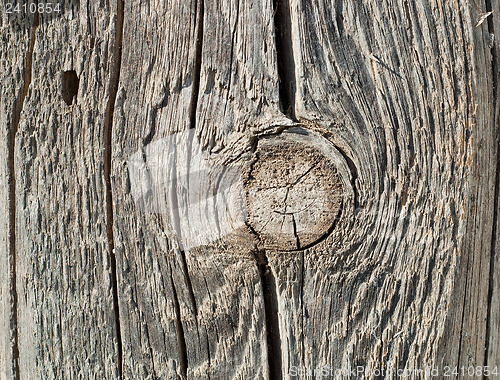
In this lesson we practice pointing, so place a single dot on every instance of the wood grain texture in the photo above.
(493, 332)
(15, 35)
(411, 103)
(153, 102)
(130, 243)
(193, 312)
(66, 321)
(238, 99)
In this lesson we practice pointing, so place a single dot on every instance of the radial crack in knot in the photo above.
(294, 192)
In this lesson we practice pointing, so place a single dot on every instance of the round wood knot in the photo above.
(294, 192)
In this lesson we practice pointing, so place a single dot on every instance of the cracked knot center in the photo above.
(293, 192)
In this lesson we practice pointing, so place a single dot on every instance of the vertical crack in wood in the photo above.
(189, 285)
(464, 299)
(270, 296)
(231, 54)
(176, 221)
(16, 117)
(196, 75)
(175, 207)
(197, 64)
(302, 305)
(285, 57)
(181, 340)
(294, 224)
(494, 68)
(194, 104)
(467, 262)
(108, 135)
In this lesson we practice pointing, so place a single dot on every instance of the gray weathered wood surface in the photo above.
(115, 262)
(63, 314)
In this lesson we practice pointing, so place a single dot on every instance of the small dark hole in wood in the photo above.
(70, 83)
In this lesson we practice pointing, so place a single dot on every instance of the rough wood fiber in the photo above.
(407, 94)
(493, 332)
(239, 86)
(154, 101)
(406, 89)
(14, 59)
(65, 315)
(238, 98)
(192, 312)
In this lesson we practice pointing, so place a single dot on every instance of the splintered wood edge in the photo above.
(296, 189)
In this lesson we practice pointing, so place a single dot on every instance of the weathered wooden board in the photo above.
(14, 58)
(493, 332)
(406, 90)
(187, 310)
(238, 97)
(409, 134)
(65, 315)
(153, 101)
(136, 243)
